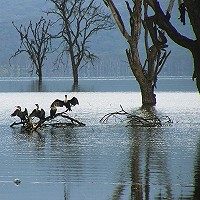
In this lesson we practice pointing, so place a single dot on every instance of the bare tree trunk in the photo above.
(196, 58)
(40, 74)
(146, 87)
(148, 96)
(75, 75)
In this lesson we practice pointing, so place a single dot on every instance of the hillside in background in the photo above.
(108, 45)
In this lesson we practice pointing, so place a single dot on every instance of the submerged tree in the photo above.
(145, 74)
(79, 20)
(35, 41)
(163, 20)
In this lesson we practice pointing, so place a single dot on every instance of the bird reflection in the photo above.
(21, 137)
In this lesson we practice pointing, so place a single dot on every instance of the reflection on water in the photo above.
(149, 165)
(197, 172)
(102, 161)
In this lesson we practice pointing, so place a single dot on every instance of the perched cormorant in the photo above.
(53, 111)
(38, 113)
(71, 102)
(59, 103)
(66, 103)
(21, 114)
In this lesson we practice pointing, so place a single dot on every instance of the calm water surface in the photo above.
(102, 161)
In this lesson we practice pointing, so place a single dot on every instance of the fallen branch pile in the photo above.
(136, 120)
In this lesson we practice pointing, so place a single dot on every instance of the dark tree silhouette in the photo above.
(146, 74)
(35, 41)
(79, 20)
(193, 45)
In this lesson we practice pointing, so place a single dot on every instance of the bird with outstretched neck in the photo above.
(67, 103)
(23, 115)
(38, 113)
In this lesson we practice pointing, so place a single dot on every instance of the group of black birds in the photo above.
(40, 113)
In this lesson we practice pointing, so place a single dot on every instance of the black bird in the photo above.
(66, 103)
(59, 103)
(38, 113)
(23, 115)
(71, 102)
(53, 111)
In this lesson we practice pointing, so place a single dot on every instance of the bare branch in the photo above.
(118, 19)
(163, 22)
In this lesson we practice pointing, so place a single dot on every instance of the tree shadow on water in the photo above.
(37, 86)
(196, 193)
(75, 88)
(55, 85)
(150, 177)
(148, 163)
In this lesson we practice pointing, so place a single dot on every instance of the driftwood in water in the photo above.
(29, 125)
(135, 120)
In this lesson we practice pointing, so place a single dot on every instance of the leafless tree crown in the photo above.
(78, 21)
(35, 41)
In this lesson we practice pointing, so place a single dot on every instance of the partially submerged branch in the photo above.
(16, 123)
(29, 125)
(106, 117)
(136, 120)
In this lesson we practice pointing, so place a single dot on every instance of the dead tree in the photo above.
(146, 74)
(78, 21)
(35, 41)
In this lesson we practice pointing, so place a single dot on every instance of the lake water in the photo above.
(101, 161)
